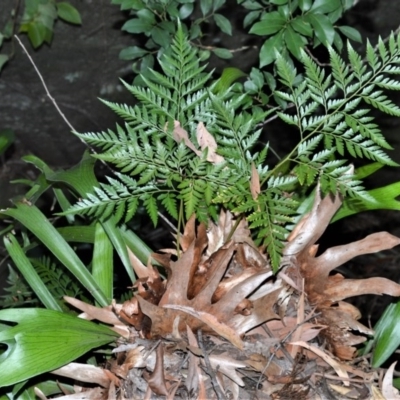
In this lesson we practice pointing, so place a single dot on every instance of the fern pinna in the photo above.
(190, 148)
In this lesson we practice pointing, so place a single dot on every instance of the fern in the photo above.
(161, 162)
(17, 292)
(54, 276)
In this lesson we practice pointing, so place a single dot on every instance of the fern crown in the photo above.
(189, 148)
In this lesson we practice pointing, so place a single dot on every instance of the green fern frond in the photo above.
(162, 164)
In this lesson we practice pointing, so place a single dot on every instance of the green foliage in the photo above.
(39, 18)
(7, 138)
(52, 275)
(291, 26)
(44, 340)
(162, 163)
(157, 20)
(18, 292)
(37, 21)
(387, 336)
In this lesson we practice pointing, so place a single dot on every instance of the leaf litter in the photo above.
(223, 326)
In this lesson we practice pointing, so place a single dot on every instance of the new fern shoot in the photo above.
(190, 148)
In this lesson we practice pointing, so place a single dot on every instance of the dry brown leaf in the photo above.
(86, 373)
(299, 328)
(227, 366)
(189, 234)
(139, 268)
(388, 390)
(40, 394)
(312, 225)
(255, 187)
(90, 394)
(262, 364)
(212, 322)
(216, 293)
(105, 314)
(179, 134)
(377, 395)
(194, 378)
(156, 379)
(334, 364)
(326, 291)
(218, 234)
(206, 140)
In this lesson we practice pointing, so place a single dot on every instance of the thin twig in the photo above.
(55, 103)
(316, 59)
(386, 39)
(208, 369)
(44, 84)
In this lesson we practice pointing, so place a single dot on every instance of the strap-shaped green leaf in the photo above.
(102, 262)
(33, 219)
(29, 273)
(45, 340)
(387, 336)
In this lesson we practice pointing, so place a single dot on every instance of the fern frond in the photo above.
(272, 212)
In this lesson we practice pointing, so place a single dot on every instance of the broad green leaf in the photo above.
(22, 391)
(279, 2)
(294, 42)
(8, 30)
(46, 16)
(36, 33)
(325, 6)
(137, 25)
(160, 37)
(217, 4)
(102, 262)
(351, 33)
(80, 177)
(229, 75)
(33, 219)
(44, 340)
(267, 52)
(64, 204)
(222, 53)
(300, 25)
(270, 24)
(223, 23)
(323, 27)
(251, 17)
(131, 53)
(3, 60)
(136, 245)
(186, 10)
(367, 170)
(251, 87)
(116, 238)
(7, 136)
(27, 270)
(78, 234)
(146, 15)
(205, 6)
(385, 198)
(257, 78)
(387, 335)
(305, 5)
(338, 42)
